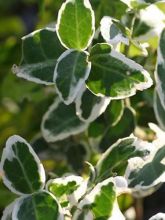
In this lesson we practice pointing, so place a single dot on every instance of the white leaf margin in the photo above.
(88, 6)
(105, 26)
(8, 210)
(22, 71)
(134, 66)
(158, 216)
(73, 90)
(9, 155)
(97, 109)
(49, 136)
(20, 201)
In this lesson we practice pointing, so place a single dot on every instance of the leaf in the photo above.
(64, 186)
(89, 106)
(146, 28)
(114, 75)
(122, 129)
(139, 3)
(159, 111)
(111, 31)
(22, 170)
(159, 216)
(7, 213)
(114, 112)
(159, 73)
(75, 24)
(37, 206)
(40, 51)
(61, 121)
(74, 187)
(114, 160)
(72, 69)
(100, 203)
(142, 174)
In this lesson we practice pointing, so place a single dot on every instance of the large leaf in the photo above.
(111, 31)
(38, 206)
(40, 51)
(22, 171)
(71, 71)
(159, 74)
(142, 174)
(114, 160)
(114, 75)
(159, 111)
(100, 203)
(75, 24)
(89, 106)
(122, 129)
(61, 121)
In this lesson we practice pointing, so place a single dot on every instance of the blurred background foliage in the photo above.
(22, 103)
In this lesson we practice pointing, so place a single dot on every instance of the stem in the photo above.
(139, 208)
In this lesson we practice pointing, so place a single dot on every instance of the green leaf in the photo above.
(139, 3)
(7, 213)
(23, 171)
(65, 185)
(72, 69)
(142, 174)
(114, 160)
(114, 75)
(100, 203)
(74, 187)
(159, 111)
(159, 216)
(114, 112)
(122, 129)
(40, 51)
(89, 106)
(111, 31)
(159, 73)
(61, 121)
(145, 27)
(38, 206)
(75, 24)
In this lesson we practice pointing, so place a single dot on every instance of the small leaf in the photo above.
(89, 106)
(72, 69)
(74, 187)
(22, 169)
(142, 174)
(61, 121)
(64, 186)
(75, 24)
(100, 203)
(159, 111)
(114, 75)
(114, 160)
(40, 51)
(38, 206)
(122, 129)
(111, 32)
(159, 74)
(145, 28)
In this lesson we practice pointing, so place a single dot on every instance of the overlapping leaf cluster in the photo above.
(93, 77)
